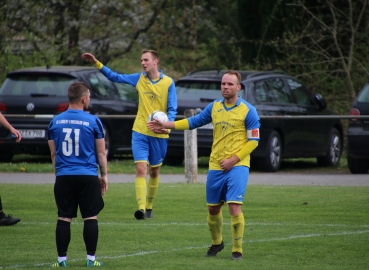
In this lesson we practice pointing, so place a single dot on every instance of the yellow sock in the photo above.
(151, 191)
(141, 192)
(237, 228)
(215, 227)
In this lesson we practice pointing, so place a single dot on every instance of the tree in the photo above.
(332, 40)
(197, 34)
(60, 30)
(261, 22)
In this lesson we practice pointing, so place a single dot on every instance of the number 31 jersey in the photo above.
(74, 133)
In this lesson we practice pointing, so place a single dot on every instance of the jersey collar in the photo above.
(237, 102)
(160, 71)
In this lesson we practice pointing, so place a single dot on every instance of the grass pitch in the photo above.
(287, 227)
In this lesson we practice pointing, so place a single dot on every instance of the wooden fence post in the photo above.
(190, 145)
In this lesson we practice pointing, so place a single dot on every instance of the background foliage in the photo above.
(324, 43)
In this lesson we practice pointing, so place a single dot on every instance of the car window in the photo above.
(278, 91)
(103, 88)
(34, 84)
(301, 94)
(261, 91)
(127, 92)
(364, 95)
(201, 91)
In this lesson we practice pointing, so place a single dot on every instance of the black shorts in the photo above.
(71, 191)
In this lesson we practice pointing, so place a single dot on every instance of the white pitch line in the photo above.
(203, 224)
(305, 236)
(202, 247)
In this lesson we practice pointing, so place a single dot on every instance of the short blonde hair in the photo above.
(154, 54)
(236, 73)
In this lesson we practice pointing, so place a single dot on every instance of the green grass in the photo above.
(287, 227)
(124, 164)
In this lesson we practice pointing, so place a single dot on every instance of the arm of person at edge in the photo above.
(225, 164)
(101, 157)
(8, 126)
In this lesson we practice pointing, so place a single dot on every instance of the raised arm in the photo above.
(90, 57)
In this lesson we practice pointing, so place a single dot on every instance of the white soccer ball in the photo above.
(158, 115)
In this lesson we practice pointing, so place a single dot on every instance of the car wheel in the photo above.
(334, 151)
(107, 143)
(357, 166)
(273, 159)
(6, 157)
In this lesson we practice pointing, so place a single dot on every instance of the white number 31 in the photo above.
(67, 144)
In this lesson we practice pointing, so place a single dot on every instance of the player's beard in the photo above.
(229, 95)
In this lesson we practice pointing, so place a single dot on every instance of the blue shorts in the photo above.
(148, 149)
(229, 187)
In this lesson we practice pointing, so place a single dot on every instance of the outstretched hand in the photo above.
(157, 126)
(89, 57)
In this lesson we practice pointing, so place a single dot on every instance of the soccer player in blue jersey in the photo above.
(236, 134)
(76, 142)
(156, 91)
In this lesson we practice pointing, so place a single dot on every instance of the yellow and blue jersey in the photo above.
(153, 95)
(232, 128)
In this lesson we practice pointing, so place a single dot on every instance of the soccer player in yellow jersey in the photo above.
(156, 91)
(236, 134)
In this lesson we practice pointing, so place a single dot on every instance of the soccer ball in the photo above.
(158, 115)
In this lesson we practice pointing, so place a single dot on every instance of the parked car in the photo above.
(273, 93)
(358, 134)
(44, 91)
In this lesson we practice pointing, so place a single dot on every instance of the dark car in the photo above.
(35, 93)
(358, 134)
(274, 94)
